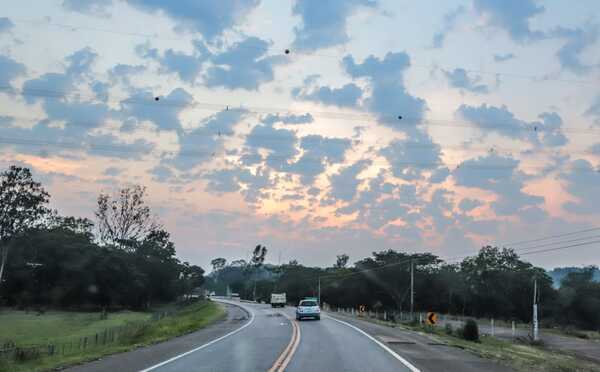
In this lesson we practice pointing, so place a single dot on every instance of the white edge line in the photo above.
(206, 344)
(406, 363)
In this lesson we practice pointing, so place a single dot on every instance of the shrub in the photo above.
(470, 330)
(448, 329)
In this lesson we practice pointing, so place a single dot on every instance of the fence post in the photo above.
(492, 327)
(385, 315)
(513, 329)
(84, 343)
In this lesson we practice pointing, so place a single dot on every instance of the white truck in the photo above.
(278, 300)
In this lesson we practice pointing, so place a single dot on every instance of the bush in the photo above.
(448, 329)
(470, 331)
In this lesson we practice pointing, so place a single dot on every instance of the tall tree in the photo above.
(218, 263)
(258, 258)
(124, 217)
(22, 206)
(341, 261)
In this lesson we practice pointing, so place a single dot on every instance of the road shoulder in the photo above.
(145, 357)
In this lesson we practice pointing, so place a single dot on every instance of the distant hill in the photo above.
(559, 273)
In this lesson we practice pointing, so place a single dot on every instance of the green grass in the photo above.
(519, 356)
(55, 326)
(188, 319)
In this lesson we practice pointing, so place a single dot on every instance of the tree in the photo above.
(22, 207)
(258, 258)
(341, 261)
(124, 217)
(218, 263)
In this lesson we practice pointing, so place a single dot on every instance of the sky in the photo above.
(314, 127)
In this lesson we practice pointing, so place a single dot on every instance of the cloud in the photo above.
(122, 73)
(346, 96)
(244, 65)
(9, 71)
(594, 110)
(448, 24)
(461, 80)
(113, 171)
(318, 151)
(288, 119)
(500, 120)
(503, 57)
(577, 41)
(6, 25)
(93, 7)
(513, 16)
(281, 144)
(222, 181)
(411, 157)
(467, 205)
(198, 145)
(389, 97)
(141, 105)
(345, 183)
(500, 175)
(324, 22)
(108, 145)
(582, 182)
(187, 67)
(210, 18)
(53, 86)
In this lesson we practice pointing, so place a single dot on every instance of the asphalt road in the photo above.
(260, 338)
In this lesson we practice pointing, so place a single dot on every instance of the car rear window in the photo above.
(308, 303)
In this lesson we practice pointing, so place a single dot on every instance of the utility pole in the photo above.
(319, 296)
(535, 312)
(412, 288)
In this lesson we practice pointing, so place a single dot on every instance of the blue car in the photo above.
(308, 309)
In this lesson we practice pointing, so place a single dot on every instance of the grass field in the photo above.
(62, 326)
(55, 326)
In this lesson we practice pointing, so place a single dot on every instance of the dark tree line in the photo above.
(494, 283)
(125, 260)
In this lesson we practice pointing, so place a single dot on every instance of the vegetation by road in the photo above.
(494, 283)
(187, 319)
(125, 259)
(24, 328)
(521, 356)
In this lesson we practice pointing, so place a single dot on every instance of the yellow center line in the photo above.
(287, 354)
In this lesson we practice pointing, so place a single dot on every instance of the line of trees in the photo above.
(124, 260)
(494, 283)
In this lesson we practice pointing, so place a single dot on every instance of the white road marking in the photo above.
(206, 344)
(406, 363)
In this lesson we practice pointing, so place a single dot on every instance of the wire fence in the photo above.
(491, 327)
(109, 336)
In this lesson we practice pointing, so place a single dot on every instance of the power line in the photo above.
(402, 121)
(292, 53)
(276, 139)
(208, 154)
(552, 237)
(560, 248)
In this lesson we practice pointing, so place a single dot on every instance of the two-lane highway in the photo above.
(267, 339)
(269, 342)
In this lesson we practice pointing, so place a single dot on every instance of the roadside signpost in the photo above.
(431, 318)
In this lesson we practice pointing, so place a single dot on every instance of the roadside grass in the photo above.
(187, 319)
(520, 356)
(25, 328)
